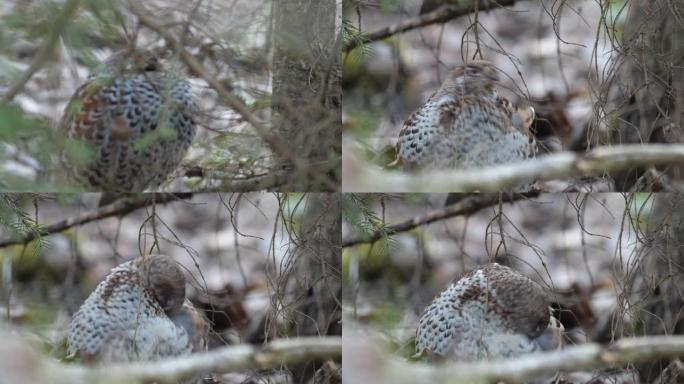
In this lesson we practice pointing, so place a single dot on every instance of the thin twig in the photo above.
(119, 207)
(464, 207)
(256, 183)
(441, 15)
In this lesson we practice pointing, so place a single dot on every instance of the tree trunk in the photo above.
(659, 305)
(306, 87)
(319, 255)
(648, 87)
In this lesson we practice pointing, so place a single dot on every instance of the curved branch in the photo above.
(441, 15)
(465, 207)
(496, 178)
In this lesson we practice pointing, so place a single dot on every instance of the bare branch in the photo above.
(253, 183)
(441, 15)
(465, 207)
(496, 178)
(518, 370)
(221, 360)
(119, 207)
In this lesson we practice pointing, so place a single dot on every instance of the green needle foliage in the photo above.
(18, 223)
(364, 221)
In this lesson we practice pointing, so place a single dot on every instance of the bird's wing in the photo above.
(522, 116)
(422, 139)
(407, 147)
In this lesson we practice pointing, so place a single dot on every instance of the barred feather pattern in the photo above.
(490, 313)
(137, 313)
(466, 124)
(139, 123)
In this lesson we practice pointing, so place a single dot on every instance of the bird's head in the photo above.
(132, 62)
(162, 276)
(524, 303)
(475, 76)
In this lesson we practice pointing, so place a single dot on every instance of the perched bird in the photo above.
(139, 312)
(466, 124)
(136, 121)
(491, 313)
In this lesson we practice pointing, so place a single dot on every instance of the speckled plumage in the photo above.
(466, 124)
(492, 312)
(137, 313)
(137, 119)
